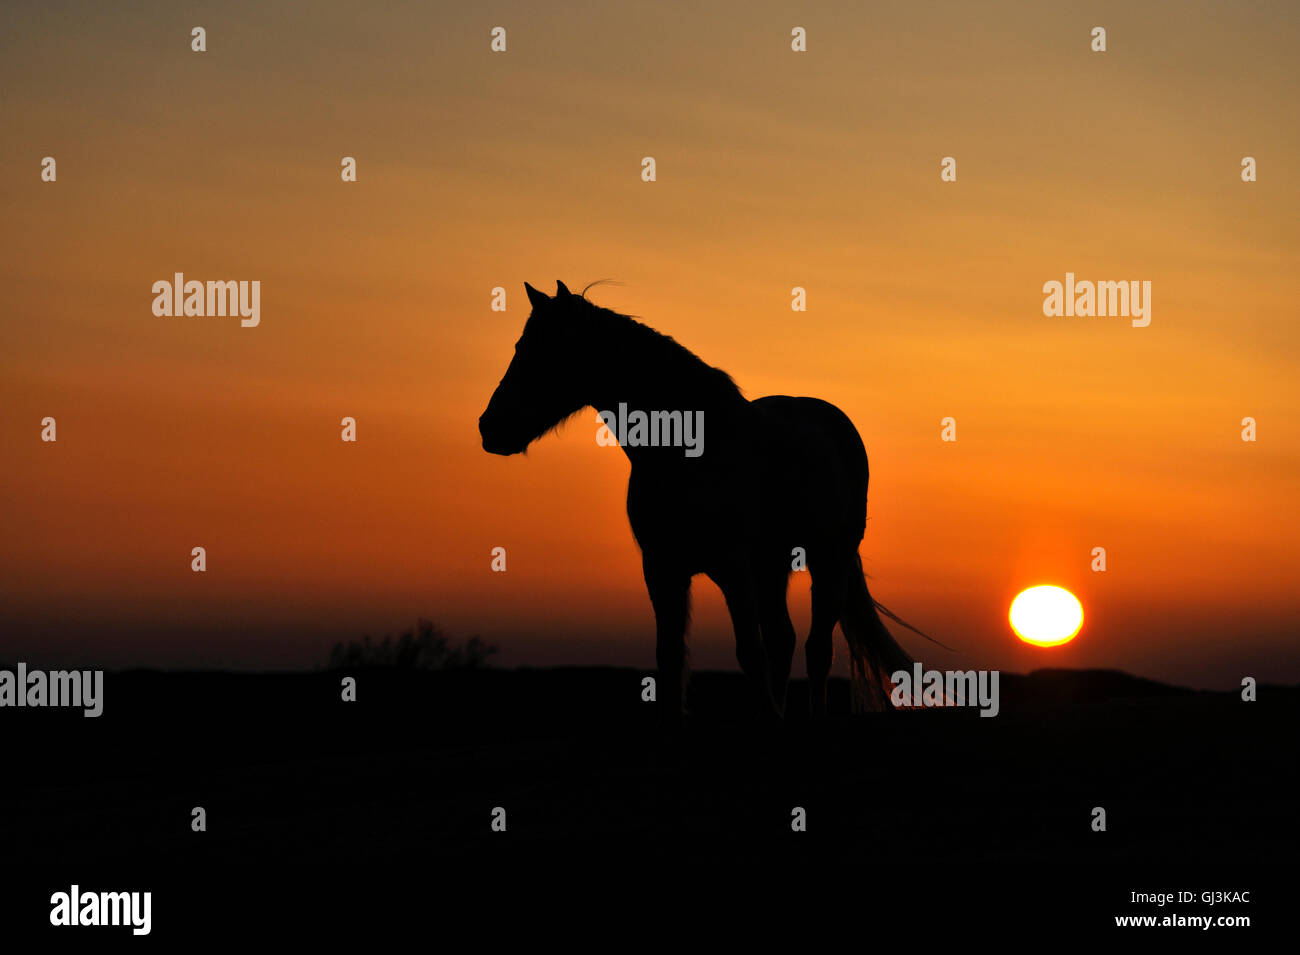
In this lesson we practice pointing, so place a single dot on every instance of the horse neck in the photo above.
(663, 390)
(718, 415)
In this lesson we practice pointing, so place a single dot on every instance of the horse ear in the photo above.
(537, 298)
(561, 290)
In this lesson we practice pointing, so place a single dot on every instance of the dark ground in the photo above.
(375, 815)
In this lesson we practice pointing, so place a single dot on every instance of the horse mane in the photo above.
(653, 351)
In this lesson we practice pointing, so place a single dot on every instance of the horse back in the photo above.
(778, 473)
(815, 459)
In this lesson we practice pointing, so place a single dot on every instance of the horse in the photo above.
(776, 474)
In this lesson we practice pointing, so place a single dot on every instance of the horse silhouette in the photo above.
(769, 476)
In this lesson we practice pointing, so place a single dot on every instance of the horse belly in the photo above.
(695, 522)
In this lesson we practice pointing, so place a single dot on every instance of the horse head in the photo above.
(543, 384)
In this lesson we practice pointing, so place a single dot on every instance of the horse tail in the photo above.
(873, 653)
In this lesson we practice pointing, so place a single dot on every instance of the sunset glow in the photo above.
(479, 171)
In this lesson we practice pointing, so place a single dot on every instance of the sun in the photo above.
(1046, 616)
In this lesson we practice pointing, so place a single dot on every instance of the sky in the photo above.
(775, 169)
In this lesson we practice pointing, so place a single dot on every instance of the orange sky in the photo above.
(775, 169)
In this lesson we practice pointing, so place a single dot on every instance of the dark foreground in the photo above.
(375, 816)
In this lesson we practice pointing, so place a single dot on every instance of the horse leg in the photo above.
(778, 633)
(829, 582)
(737, 585)
(670, 595)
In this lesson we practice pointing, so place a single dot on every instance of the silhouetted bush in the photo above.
(425, 648)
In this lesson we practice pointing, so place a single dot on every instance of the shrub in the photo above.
(424, 648)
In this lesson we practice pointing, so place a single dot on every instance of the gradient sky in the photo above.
(775, 169)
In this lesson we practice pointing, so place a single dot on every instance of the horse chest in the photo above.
(682, 510)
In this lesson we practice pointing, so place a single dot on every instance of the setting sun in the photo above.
(1046, 616)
